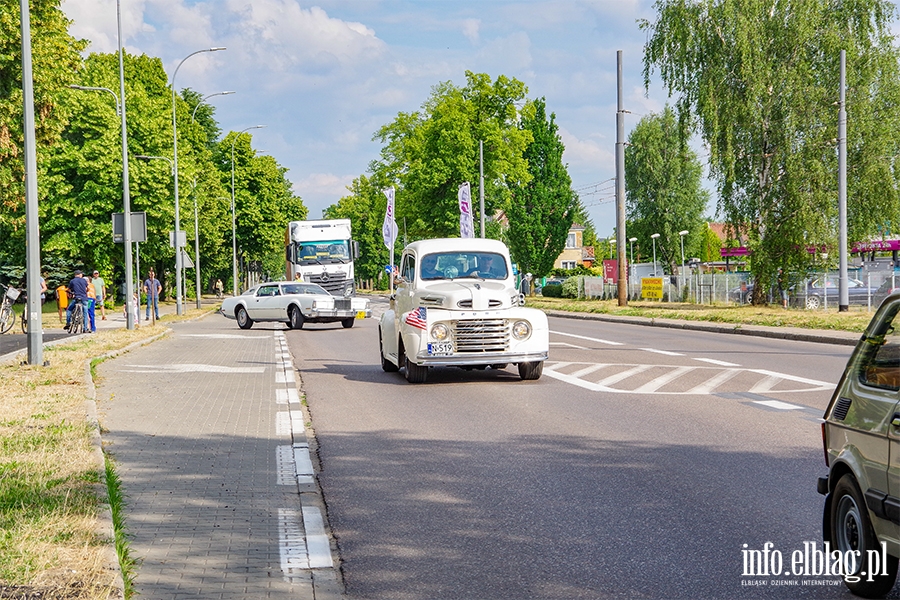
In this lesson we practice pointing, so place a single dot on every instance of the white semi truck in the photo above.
(322, 252)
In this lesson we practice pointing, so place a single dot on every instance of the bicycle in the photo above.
(77, 322)
(7, 316)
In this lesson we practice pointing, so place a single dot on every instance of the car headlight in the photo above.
(440, 332)
(521, 330)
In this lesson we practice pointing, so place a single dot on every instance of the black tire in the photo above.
(348, 322)
(386, 365)
(243, 319)
(813, 302)
(415, 373)
(851, 529)
(531, 371)
(295, 318)
(7, 318)
(25, 320)
(77, 323)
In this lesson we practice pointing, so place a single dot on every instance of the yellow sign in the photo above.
(652, 287)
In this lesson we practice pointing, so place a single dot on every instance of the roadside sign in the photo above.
(138, 227)
(652, 287)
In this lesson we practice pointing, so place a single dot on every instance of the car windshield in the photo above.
(455, 265)
(303, 288)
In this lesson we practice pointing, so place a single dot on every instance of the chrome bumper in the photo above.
(486, 358)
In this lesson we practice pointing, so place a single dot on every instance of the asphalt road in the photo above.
(639, 466)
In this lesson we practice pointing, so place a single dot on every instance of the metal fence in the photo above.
(818, 291)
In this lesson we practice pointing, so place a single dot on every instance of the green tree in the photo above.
(428, 154)
(56, 61)
(664, 193)
(542, 206)
(710, 246)
(761, 79)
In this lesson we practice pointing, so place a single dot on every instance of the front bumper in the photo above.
(481, 358)
(318, 313)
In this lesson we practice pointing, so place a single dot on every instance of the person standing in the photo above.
(92, 305)
(152, 287)
(218, 288)
(100, 290)
(78, 292)
(62, 301)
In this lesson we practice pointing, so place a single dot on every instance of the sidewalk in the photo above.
(207, 433)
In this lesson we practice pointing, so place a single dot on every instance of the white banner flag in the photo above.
(466, 225)
(389, 228)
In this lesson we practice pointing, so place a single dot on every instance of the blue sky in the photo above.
(324, 76)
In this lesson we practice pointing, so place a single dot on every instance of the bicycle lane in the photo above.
(208, 439)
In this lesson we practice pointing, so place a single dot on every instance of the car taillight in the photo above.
(825, 444)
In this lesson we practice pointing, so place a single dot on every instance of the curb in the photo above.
(842, 338)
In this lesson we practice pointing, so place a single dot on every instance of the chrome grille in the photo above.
(492, 303)
(333, 284)
(481, 335)
(342, 303)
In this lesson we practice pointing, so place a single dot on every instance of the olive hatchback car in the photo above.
(861, 434)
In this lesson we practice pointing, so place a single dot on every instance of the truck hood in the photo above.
(466, 294)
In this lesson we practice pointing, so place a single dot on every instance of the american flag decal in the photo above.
(417, 318)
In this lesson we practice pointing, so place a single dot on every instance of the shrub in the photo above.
(552, 290)
(571, 286)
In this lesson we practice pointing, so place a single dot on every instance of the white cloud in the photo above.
(470, 29)
(586, 152)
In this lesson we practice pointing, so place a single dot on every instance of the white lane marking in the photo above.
(623, 375)
(283, 423)
(714, 382)
(567, 345)
(778, 405)
(720, 363)
(225, 336)
(656, 383)
(286, 396)
(588, 385)
(193, 368)
(821, 384)
(317, 546)
(291, 545)
(587, 370)
(590, 339)
(765, 384)
(666, 352)
(284, 465)
(284, 376)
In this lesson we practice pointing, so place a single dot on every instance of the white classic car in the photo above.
(456, 304)
(294, 303)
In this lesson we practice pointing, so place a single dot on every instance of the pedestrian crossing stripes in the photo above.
(623, 378)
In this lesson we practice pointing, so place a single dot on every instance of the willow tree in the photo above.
(761, 79)
(542, 208)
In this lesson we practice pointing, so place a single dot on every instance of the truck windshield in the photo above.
(323, 252)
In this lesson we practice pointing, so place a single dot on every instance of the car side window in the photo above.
(880, 365)
(268, 290)
(408, 268)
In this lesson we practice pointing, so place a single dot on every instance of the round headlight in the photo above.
(521, 330)
(440, 332)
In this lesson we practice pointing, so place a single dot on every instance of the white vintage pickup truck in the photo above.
(456, 304)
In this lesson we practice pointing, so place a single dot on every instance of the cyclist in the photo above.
(78, 292)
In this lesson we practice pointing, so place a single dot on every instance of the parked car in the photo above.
(888, 287)
(456, 305)
(293, 303)
(861, 436)
(820, 292)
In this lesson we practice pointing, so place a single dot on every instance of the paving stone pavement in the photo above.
(207, 433)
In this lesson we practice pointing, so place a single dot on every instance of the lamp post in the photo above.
(196, 217)
(653, 237)
(234, 283)
(681, 235)
(126, 195)
(178, 262)
(631, 242)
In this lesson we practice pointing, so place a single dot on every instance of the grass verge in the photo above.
(49, 504)
(854, 320)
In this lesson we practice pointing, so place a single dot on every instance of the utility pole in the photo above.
(620, 186)
(843, 290)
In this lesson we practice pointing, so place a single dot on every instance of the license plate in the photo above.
(440, 348)
(360, 314)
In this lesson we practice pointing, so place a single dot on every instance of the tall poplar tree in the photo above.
(761, 79)
(541, 209)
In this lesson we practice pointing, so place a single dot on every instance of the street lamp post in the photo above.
(681, 235)
(653, 237)
(178, 262)
(234, 283)
(631, 242)
(196, 215)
